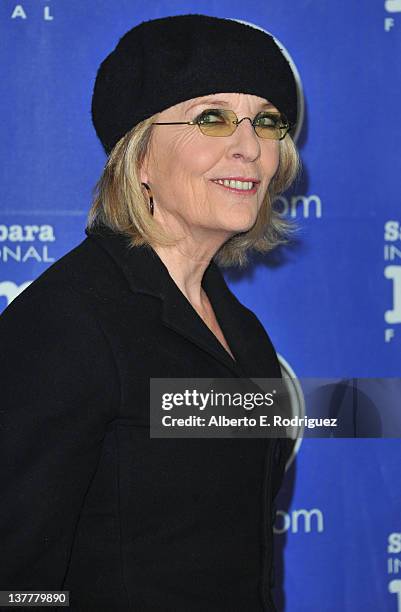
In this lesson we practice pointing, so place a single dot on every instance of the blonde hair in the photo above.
(121, 203)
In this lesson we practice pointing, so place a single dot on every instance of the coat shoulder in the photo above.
(53, 319)
(82, 273)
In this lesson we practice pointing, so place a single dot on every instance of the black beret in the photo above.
(162, 62)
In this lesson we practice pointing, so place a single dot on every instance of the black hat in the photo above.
(162, 62)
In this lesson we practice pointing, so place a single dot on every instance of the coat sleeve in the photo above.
(58, 389)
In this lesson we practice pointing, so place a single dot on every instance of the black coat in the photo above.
(89, 502)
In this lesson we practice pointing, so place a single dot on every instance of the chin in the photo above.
(243, 223)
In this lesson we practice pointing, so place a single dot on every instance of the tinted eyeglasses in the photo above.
(221, 122)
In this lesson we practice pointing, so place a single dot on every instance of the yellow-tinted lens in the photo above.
(217, 122)
(271, 125)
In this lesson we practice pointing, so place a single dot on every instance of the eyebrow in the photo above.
(217, 102)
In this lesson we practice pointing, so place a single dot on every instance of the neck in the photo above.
(187, 266)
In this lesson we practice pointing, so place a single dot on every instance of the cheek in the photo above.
(271, 158)
(188, 157)
(181, 170)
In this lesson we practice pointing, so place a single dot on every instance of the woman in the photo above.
(91, 503)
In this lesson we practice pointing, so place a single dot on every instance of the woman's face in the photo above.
(182, 163)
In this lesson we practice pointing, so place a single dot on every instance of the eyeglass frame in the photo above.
(287, 125)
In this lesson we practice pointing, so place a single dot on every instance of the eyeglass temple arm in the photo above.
(175, 123)
(289, 125)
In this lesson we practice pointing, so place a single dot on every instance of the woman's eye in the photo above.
(269, 120)
(211, 116)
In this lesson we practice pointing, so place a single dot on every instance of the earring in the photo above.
(151, 207)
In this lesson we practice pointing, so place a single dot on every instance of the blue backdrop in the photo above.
(331, 301)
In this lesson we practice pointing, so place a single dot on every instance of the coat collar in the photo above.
(146, 273)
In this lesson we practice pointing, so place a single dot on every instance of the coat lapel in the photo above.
(147, 274)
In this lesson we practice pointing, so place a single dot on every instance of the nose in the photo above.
(245, 141)
(240, 120)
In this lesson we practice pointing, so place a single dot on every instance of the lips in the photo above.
(234, 190)
(236, 178)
